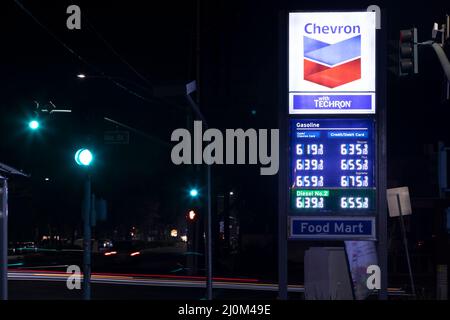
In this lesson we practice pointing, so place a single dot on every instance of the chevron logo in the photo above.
(332, 65)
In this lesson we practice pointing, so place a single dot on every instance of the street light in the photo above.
(117, 81)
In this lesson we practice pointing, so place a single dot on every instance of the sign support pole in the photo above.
(282, 195)
(382, 215)
(405, 243)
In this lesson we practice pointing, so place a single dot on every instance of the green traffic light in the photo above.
(33, 124)
(193, 193)
(84, 157)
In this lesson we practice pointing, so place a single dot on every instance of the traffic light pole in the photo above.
(442, 59)
(87, 239)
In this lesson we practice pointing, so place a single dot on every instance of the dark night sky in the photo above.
(238, 74)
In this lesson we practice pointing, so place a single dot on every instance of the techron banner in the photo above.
(332, 62)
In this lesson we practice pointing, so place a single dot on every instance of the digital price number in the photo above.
(332, 165)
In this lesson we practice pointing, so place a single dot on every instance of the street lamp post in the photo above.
(115, 79)
(185, 90)
(191, 87)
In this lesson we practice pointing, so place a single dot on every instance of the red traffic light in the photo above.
(408, 53)
(192, 215)
(406, 35)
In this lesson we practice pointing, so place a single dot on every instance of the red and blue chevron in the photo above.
(332, 65)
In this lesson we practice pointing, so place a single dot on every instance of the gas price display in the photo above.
(332, 165)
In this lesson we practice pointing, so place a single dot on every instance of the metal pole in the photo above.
(382, 215)
(405, 242)
(282, 176)
(4, 240)
(442, 59)
(208, 236)
(442, 169)
(209, 284)
(197, 49)
(87, 240)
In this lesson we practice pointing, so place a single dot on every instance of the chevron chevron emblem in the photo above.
(332, 65)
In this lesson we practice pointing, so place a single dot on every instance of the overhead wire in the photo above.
(79, 57)
(116, 53)
(129, 65)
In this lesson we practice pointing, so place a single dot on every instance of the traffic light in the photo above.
(193, 193)
(408, 54)
(33, 125)
(84, 157)
(194, 240)
(192, 215)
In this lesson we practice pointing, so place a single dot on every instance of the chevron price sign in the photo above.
(332, 63)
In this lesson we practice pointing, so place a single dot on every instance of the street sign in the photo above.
(332, 62)
(393, 202)
(361, 228)
(332, 168)
(116, 137)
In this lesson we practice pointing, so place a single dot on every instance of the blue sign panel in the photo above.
(332, 166)
(343, 103)
(362, 228)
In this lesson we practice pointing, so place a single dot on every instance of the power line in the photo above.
(52, 34)
(133, 69)
(79, 57)
(114, 51)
